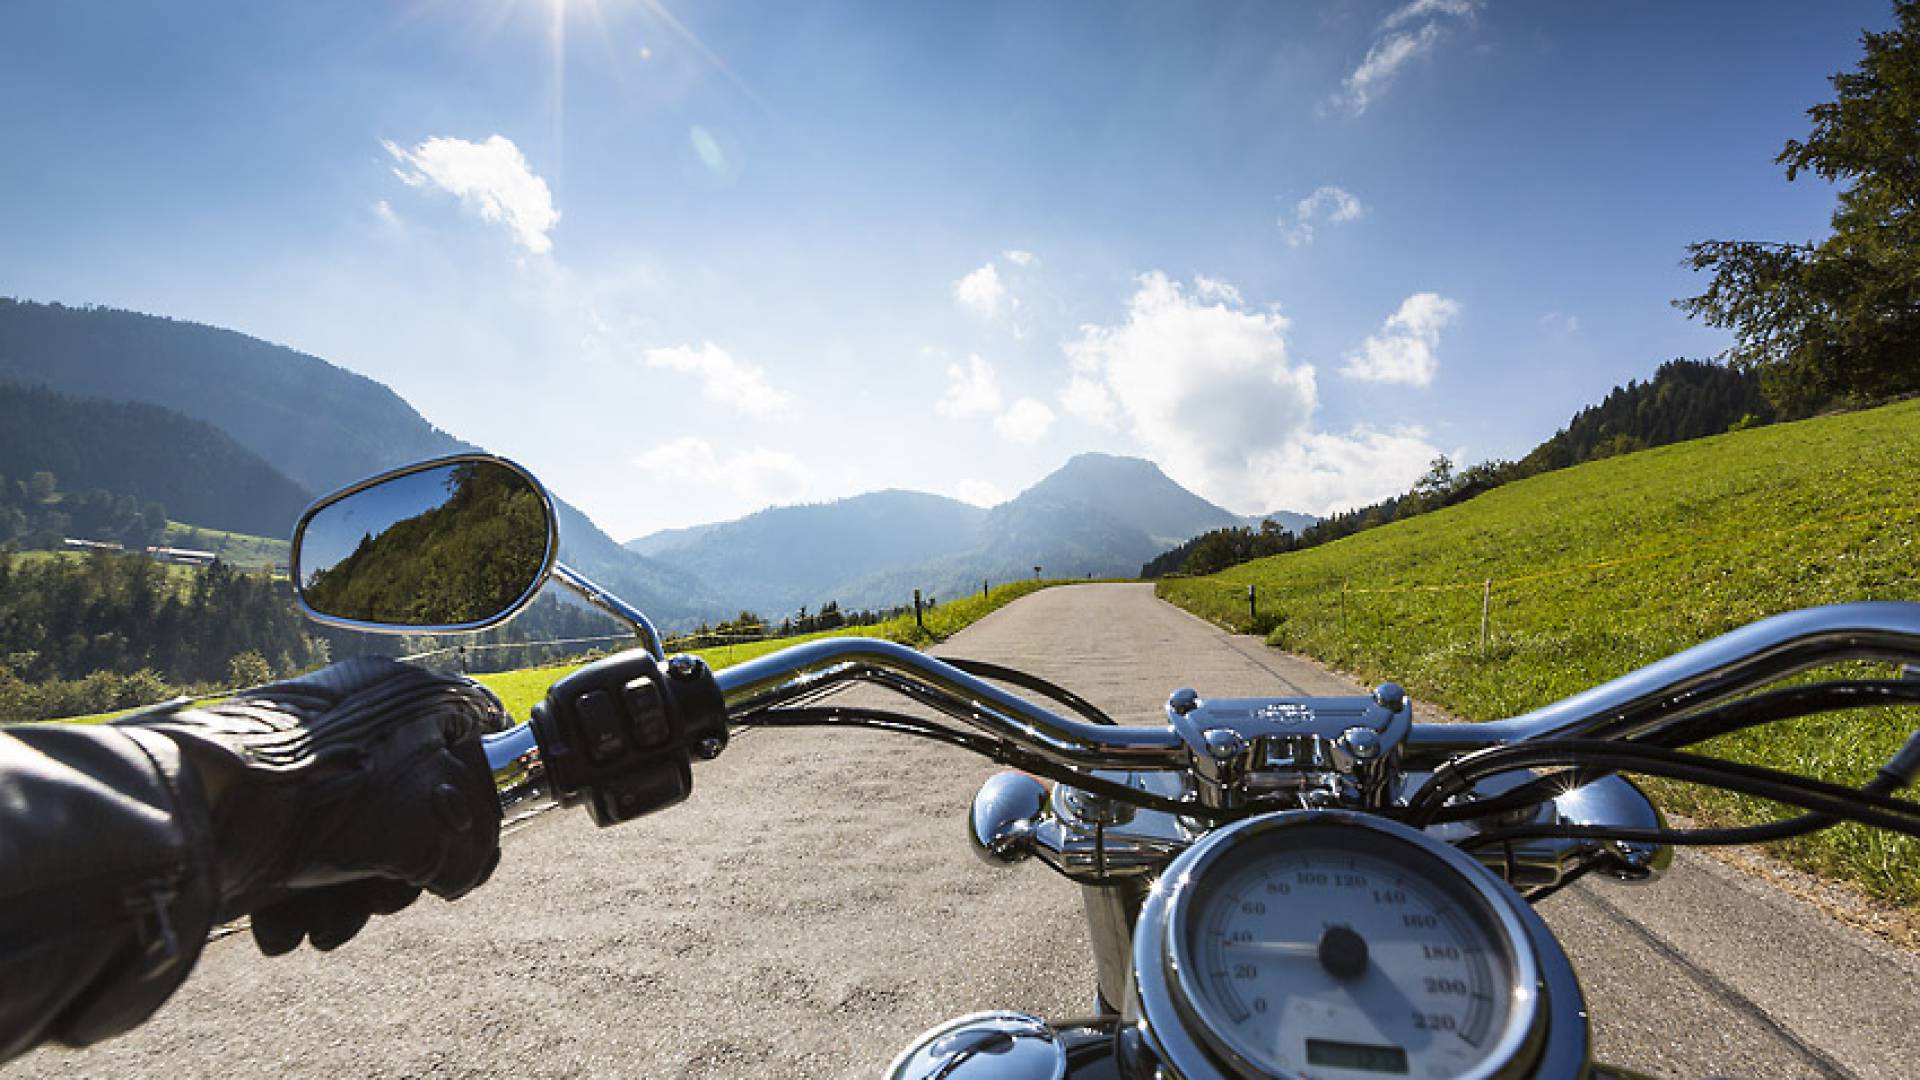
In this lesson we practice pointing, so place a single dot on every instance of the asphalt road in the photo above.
(815, 905)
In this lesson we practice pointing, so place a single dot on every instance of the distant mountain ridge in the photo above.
(779, 559)
(1097, 515)
(321, 425)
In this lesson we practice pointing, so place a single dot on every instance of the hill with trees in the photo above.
(148, 454)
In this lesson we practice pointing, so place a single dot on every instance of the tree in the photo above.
(1838, 318)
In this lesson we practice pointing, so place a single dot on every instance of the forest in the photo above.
(35, 514)
(106, 630)
(145, 452)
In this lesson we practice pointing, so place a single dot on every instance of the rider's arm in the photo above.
(311, 805)
(106, 882)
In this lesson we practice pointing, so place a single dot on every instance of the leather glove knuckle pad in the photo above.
(350, 786)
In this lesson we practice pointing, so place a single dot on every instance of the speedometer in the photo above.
(1317, 944)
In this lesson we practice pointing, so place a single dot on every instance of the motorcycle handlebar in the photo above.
(1637, 702)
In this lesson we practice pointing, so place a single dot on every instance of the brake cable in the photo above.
(1784, 704)
(995, 749)
(1869, 807)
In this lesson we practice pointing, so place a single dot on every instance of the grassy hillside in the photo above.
(1608, 566)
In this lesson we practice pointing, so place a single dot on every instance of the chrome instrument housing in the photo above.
(1162, 996)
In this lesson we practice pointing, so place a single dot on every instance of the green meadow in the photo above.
(1588, 573)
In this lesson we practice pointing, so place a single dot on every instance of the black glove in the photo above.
(341, 794)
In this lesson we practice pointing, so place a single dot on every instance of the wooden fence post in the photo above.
(1253, 609)
(1486, 601)
(917, 619)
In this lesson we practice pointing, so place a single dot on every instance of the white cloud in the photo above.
(1201, 382)
(972, 390)
(1207, 288)
(978, 492)
(723, 380)
(758, 475)
(1403, 350)
(1026, 422)
(1320, 473)
(1399, 42)
(490, 178)
(1420, 9)
(1205, 385)
(384, 212)
(1020, 258)
(981, 292)
(1327, 203)
(1561, 322)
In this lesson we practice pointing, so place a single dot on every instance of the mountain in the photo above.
(776, 560)
(1097, 515)
(318, 424)
(1286, 519)
(153, 454)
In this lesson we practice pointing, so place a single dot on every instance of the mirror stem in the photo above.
(612, 605)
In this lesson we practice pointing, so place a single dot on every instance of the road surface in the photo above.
(815, 905)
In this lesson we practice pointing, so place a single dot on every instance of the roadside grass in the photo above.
(1608, 566)
(519, 690)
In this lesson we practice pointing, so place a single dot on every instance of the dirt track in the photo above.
(815, 905)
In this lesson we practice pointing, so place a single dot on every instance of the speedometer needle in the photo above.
(1302, 949)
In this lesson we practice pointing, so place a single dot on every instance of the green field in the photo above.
(239, 549)
(1611, 565)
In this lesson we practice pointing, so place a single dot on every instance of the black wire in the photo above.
(1014, 677)
(1786, 703)
(1783, 704)
(1861, 805)
(1592, 758)
(986, 746)
(877, 719)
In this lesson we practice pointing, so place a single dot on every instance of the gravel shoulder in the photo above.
(815, 905)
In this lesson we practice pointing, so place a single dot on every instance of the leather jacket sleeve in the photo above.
(106, 880)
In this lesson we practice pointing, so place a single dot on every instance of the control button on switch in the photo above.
(649, 717)
(599, 724)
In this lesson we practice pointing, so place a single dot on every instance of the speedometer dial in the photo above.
(1303, 946)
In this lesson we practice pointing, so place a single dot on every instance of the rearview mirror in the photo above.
(460, 543)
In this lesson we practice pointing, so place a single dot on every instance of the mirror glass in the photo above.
(452, 545)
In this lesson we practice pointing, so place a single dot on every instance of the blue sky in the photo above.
(685, 259)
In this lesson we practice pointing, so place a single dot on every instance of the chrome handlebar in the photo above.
(1635, 703)
(805, 670)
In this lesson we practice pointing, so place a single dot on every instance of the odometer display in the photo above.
(1334, 951)
(1383, 1059)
